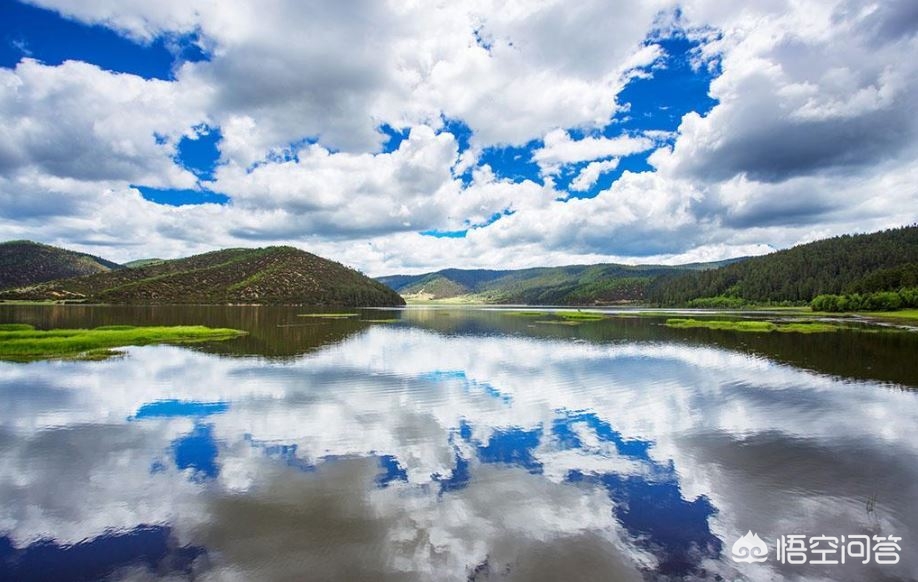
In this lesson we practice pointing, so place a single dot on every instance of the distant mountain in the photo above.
(865, 263)
(570, 285)
(263, 276)
(24, 262)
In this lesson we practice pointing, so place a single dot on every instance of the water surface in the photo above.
(454, 444)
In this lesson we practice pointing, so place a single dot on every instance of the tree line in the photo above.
(848, 265)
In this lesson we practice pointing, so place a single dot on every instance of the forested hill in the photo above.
(881, 261)
(570, 285)
(23, 262)
(268, 275)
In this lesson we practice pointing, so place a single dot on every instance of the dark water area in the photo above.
(457, 444)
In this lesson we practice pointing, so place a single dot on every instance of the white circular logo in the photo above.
(749, 548)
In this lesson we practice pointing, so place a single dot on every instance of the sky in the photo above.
(404, 137)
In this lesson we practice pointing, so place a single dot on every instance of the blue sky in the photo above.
(549, 136)
(31, 31)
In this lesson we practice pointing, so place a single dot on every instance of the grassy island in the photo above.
(23, 343)
(753, 326)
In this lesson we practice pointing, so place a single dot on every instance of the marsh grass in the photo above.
(26, 343)
(558, 317)
(753, 326)
(580, 315)
(15, 327)
(813, 327)
(900, 314)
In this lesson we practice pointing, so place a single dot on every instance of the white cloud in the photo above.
(397, 62)
(591, 173)
(76, 121)
(346, 194)
(559, 149)
(806, 88)
(812, 134)
(697, 408)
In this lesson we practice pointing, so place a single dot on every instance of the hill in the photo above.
(263, 276)
(570, 285)
(141, 263)
(24, 262)
(865, 263)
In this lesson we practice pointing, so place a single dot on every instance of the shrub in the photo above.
(879, 301)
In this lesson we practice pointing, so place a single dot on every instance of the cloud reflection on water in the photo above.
(405, 453)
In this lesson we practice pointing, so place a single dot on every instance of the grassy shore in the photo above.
(753, 326)
(580, 315)
(23, 343)
(901, 314)
(558, 317)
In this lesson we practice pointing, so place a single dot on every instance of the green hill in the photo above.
(262, 276)
(141, 263)
(865, 263)
(570, 285)
(24, 262)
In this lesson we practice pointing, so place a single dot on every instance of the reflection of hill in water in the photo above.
(881, 356)
(490, 448)
(278, 332)
(884, 356)
(273, 331)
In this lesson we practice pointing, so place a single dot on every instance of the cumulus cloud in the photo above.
(591, 173)
(395, 63)
(812, 134)
(560, 149)
(804, 89)
(327, 193)
(715, 416)
(77, 121)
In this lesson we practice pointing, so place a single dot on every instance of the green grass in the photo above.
(812, 327)
(26, 343)
(15, 327)
(560, 317)
(753, 326)
(901, 314)
(329, 315)
(580, 315)
(382, 320)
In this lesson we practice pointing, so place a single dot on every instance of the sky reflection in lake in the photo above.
(405, 453)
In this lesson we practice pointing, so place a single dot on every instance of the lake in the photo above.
(459, 444)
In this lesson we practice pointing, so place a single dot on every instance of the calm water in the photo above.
(456, 444)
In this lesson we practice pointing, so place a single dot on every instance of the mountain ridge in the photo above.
(269, 275)
(598, 283)
(25, 262)
(880, 261)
